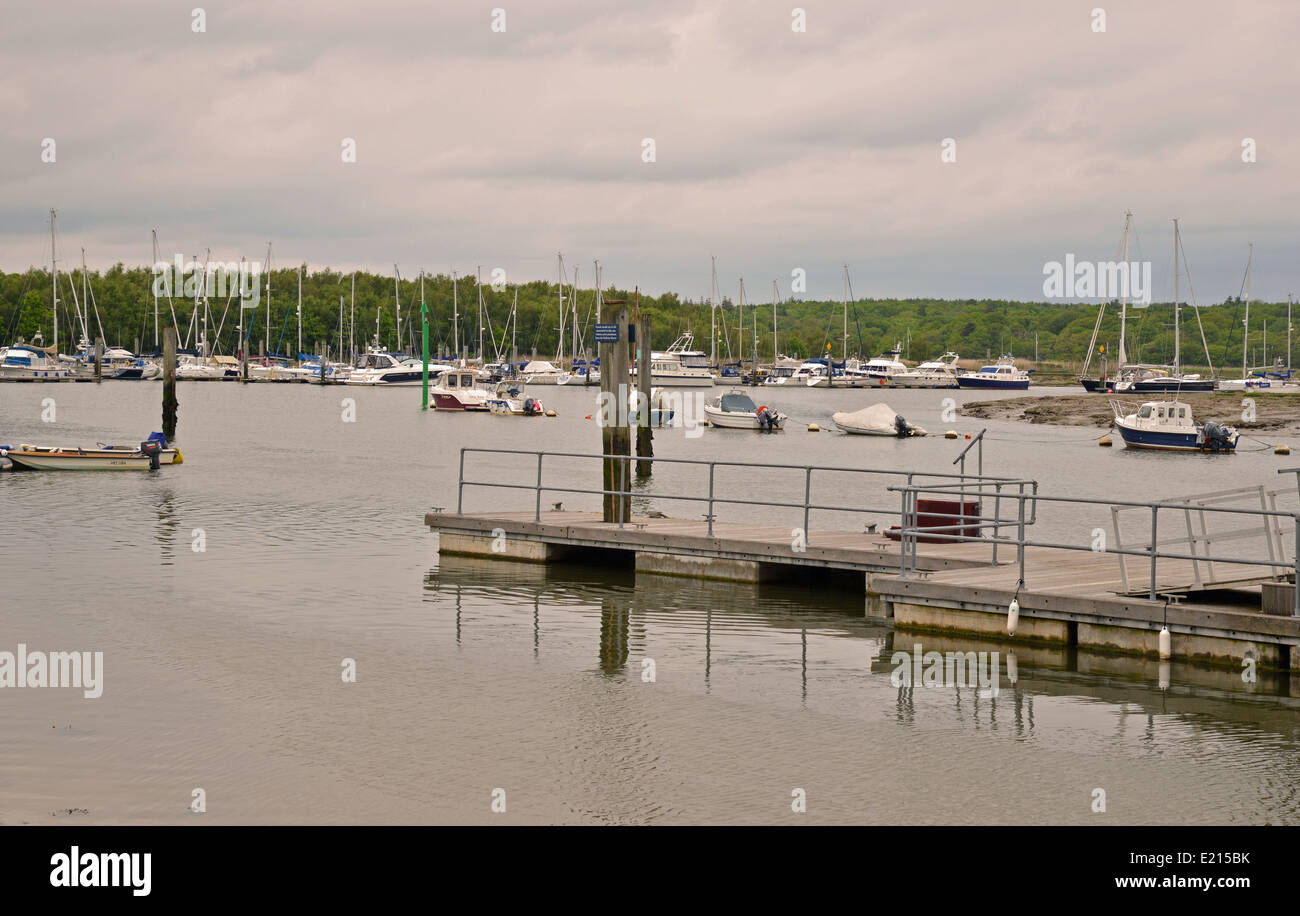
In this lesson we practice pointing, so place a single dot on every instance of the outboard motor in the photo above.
(901, 427)
(530, 407)
(1215, 437)
(152, 449)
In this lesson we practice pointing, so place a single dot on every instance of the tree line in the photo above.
(353, 308)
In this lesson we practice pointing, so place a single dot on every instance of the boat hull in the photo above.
(995, 384)
(447, 401)
(724, 419)
(47, 461)
(1168, 441)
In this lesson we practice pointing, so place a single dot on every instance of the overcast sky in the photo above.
(774, 149)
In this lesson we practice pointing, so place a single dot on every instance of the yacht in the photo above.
(937, 373)
(380, 368)
(1003, 375)
(25, 363)
(887, 365)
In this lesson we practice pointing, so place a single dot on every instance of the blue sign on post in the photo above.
(607, 333)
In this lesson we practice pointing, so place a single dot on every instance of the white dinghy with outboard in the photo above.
(876, 420)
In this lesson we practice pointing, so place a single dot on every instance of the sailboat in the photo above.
(1144, 379)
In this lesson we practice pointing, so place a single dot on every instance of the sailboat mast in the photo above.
(299, 310)
(844, 352)
(559, 346)
(54, 284)
(1245, 337)
(713, 316)
(479, 284)
(397, 298)
(1177, 361)
(1123, 305)
(740, 330)
(267, 343)
(155, 292)
(774, 356)
(352, 320)
(455, 318)
(573, 351)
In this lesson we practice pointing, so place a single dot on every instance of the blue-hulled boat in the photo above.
(1168, 425)
(1003, 375)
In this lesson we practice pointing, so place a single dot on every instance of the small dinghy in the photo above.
(149, 455)
(876, 420)
(661, 409)
(736, 410)
(509, 401)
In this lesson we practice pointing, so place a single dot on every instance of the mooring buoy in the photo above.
(550, 413)
(814, 428)
(1282, 450)
(1104, 442)
(950, 434)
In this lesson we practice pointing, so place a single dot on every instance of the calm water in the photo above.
(222, 667)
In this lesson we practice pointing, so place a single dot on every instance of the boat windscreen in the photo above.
(738, 403)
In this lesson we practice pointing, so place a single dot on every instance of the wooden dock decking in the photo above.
(849, 550)
(1069, 597)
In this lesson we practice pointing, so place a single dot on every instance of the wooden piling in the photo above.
(644, 432)
(99, 359)
(615, 436)
(169, 383)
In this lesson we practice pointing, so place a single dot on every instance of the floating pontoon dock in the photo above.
(957, 577)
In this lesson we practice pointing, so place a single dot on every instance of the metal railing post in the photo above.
(997, 518)
(1295, 607)
(712, 465)
(1155, 511)
(807, 501)
(1020, 535)
(460, 485)
(537, 513)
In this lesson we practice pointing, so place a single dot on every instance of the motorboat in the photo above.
(380, 368)
(510, 400)
(1158, 380)
(783, 372)
(885, 366)
(1169, 425)
(459, 389)
(936, 373)
(26, 363)
(679, 366)
(1002, 375)
(540, 372)
(737, 410)
(876, 420)
(148, 455)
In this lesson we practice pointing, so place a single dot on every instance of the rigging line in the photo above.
(1191, 292)
(855, 316)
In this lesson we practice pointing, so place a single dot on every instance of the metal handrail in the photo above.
(712, 499)
(910, 530)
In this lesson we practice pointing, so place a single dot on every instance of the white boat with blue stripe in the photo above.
(1169, 426)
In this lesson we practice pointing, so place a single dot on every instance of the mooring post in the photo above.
(615, 375)
(169, 383)
(644, 433)
(99, 359)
